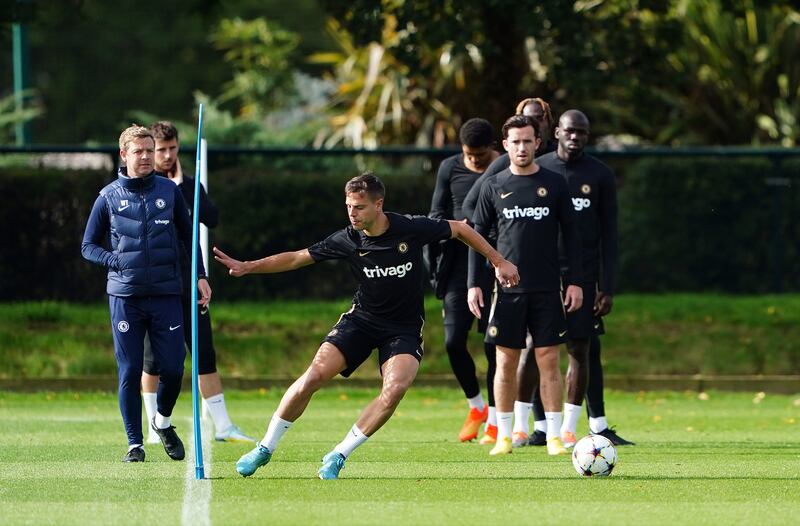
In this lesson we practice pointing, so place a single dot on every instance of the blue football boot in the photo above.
(332, 464)
(250, 462)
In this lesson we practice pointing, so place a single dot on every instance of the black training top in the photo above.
(528, 210)
(453, 181)
(497, 166)
(388, 267)
(593, 189)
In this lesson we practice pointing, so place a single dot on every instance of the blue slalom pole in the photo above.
(198, 444)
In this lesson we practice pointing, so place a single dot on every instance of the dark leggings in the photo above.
(455, 341)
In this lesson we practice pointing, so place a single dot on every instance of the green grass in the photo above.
(646, 334)
(732, 458)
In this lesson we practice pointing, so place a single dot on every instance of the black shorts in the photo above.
(206, 357)
(455, 310)
(356, 334)
(516, 314)
(583, 323)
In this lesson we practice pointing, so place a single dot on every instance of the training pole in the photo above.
(198, 443)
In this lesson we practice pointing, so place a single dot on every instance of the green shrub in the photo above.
(705, 224)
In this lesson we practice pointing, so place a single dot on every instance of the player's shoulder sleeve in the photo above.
(547, 160)
(428, 229)
(338, 245)
(498, 165)
(484, 207)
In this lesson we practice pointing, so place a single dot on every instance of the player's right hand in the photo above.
(235, 267)
(475, 301)
(507, 274)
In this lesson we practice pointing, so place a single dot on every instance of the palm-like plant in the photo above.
(379, 97)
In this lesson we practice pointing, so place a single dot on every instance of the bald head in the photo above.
(572, 134)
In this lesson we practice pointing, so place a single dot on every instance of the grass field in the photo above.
(646, 334)
(717, 458)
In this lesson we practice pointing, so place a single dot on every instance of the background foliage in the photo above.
(370, 72)
(689, 224)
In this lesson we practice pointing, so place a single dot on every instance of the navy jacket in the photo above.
(144, 220)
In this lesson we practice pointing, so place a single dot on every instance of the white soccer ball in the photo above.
(594, 456)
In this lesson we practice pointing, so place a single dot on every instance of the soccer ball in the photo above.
(594, 456)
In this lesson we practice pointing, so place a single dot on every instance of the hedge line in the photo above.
(685, 225)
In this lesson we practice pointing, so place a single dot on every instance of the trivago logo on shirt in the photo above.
(536, 213)
(579, 203)
(382, 272)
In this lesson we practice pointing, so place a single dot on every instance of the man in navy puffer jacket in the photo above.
(142, 216)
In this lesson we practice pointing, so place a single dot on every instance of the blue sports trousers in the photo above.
(131, 318)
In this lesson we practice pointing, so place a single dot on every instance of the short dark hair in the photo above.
(366, 182)
(164, 131)
(476, 133)
(520, 121)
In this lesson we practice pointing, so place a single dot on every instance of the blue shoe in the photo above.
(332, 464)
(250, 462)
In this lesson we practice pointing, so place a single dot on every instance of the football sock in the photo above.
(540, 425)
(598, 424)
(352, 440)
(275, 430)
(134, 446)
(163, 422)
(476, 402)
(219, 413)
(492, 420)
(522, 412)
(571, 414)
(553, 424)
(504, 421)
(150, 405)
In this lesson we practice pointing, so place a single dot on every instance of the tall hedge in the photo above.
(685, 225)
(709, 224)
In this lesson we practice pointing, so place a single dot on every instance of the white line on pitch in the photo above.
(197, 493)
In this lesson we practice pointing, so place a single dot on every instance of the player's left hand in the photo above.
(603, 304)
(507, 274)
(573, 298)
(204, 288)
(235, 267)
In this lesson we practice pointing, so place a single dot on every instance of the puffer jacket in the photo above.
(142, 221)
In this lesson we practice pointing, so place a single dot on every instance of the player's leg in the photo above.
(399, 356)
(527, 381)
(595, 403)
(581, 325)
(506, 331)
(327, 363)
(169, 352)
(149, 388)
(208, 379)
(576, 379)
(488, 288)
(505, 389)
(457, 323)
(490, 430)
(548, 326)
(128, 325)
(345, 347)
(550, 386)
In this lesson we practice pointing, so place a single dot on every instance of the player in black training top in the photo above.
(456, 176)
(592, 186)
(540, 111)
(528, 204)
(384, 251)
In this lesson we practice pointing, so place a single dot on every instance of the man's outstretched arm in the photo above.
(282, 262)
(505, 271)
